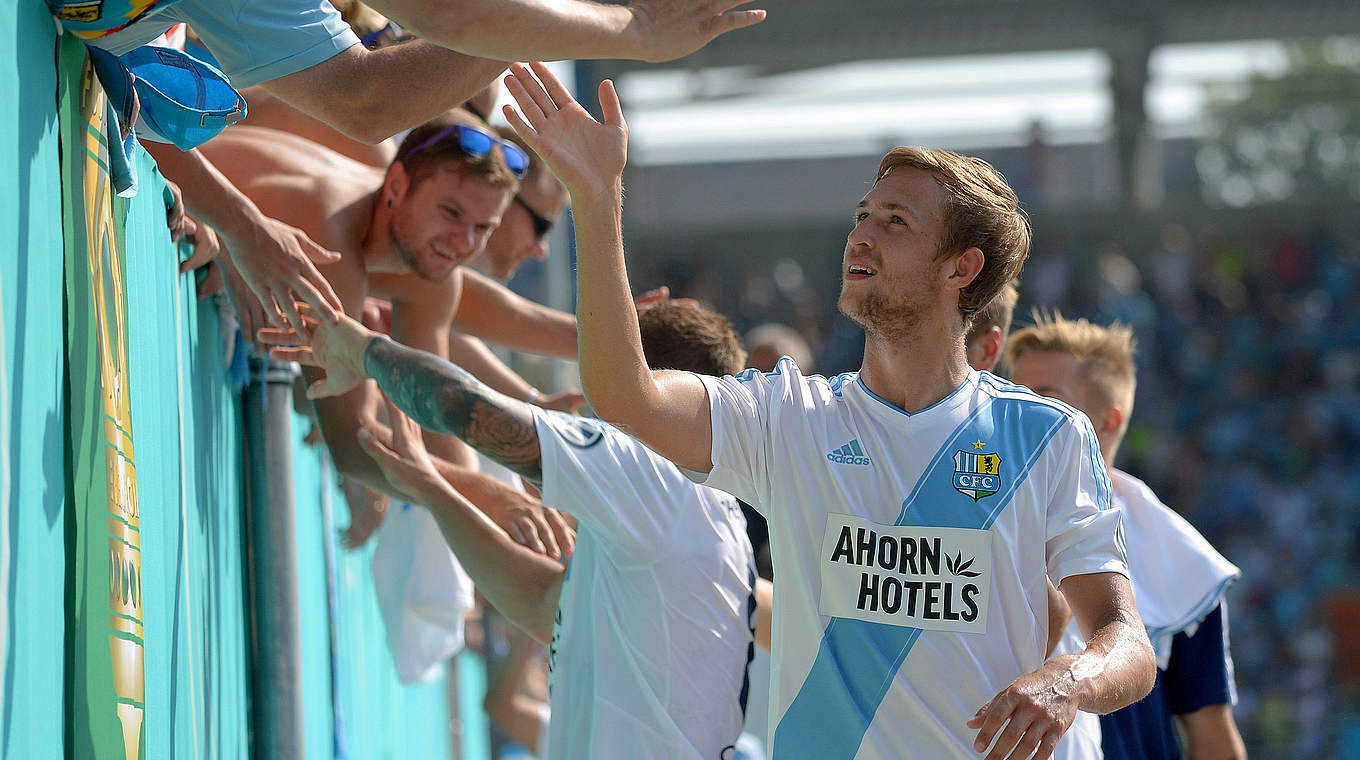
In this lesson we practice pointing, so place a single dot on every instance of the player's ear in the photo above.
(966, 267)
(1112, 420)
(992, 343)
(395, 183)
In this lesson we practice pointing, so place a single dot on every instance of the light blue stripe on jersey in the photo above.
(857, 660)
(1104, 487)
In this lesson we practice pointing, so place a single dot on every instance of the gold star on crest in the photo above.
(978, 445)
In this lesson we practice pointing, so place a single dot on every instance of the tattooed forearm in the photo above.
(445, 398)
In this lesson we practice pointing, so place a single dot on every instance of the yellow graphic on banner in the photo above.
(92, 19)
(124, 524)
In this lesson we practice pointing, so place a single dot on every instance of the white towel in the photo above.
(1178, 577)
(423, 593)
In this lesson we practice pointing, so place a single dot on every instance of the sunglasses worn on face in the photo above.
(478, 144)
(542, 224)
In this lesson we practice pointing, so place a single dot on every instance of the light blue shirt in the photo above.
(254, 41)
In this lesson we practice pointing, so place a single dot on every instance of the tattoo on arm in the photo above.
(445, 398)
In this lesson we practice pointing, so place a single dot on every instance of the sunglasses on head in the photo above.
(542, 224)
(478, 144)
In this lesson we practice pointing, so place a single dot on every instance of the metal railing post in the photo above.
(271, 558)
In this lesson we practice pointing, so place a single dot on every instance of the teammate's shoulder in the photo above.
(787, 373)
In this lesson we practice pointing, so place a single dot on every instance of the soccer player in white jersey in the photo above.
(1178, 578)
(914, 507)
(651, 623)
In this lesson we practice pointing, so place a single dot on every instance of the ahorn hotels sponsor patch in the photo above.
(937, 579)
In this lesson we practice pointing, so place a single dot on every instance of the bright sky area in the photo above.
(856, 108)
(729, 114)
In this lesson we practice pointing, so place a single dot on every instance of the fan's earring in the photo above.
(389, 203)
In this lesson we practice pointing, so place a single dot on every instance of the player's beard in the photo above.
(406, 248)
(881, 315)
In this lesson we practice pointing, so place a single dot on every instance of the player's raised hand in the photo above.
(586, 155)
(1036, 709)
(671, 29)
(337, 348)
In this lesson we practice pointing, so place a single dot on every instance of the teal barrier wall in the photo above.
(378, 717)
(32, 414)
(187, 435)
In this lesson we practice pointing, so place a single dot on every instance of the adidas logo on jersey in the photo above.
(850, 453)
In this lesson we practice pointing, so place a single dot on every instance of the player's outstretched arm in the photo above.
(437, 394)
(549, 30)
(666, 410)
(353, 91)
(523, 585)
(510, 438)
(446, 399)
(1116, 669)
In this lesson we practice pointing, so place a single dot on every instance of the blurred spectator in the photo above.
(517, 697)
(524, 228)
(986, 337)
(768, 342)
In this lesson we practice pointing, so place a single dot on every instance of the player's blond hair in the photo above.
(981, 211)
(1104, 354)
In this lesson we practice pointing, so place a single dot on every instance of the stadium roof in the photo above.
(811, 33)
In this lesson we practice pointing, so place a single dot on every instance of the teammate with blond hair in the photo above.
(1178, 578)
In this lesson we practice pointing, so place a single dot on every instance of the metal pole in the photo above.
(271, 557)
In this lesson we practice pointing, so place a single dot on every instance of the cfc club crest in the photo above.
(977, 475)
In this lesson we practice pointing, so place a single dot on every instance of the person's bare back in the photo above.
(315, 189)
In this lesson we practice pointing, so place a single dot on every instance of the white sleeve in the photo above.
(1085, 531)
(610, 482)
(740, 408)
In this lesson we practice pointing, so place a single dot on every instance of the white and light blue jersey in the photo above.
(652, 643)
(910, 550)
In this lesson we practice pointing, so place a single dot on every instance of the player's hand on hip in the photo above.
(1036, 710)
(586, 155)
(670, 29)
